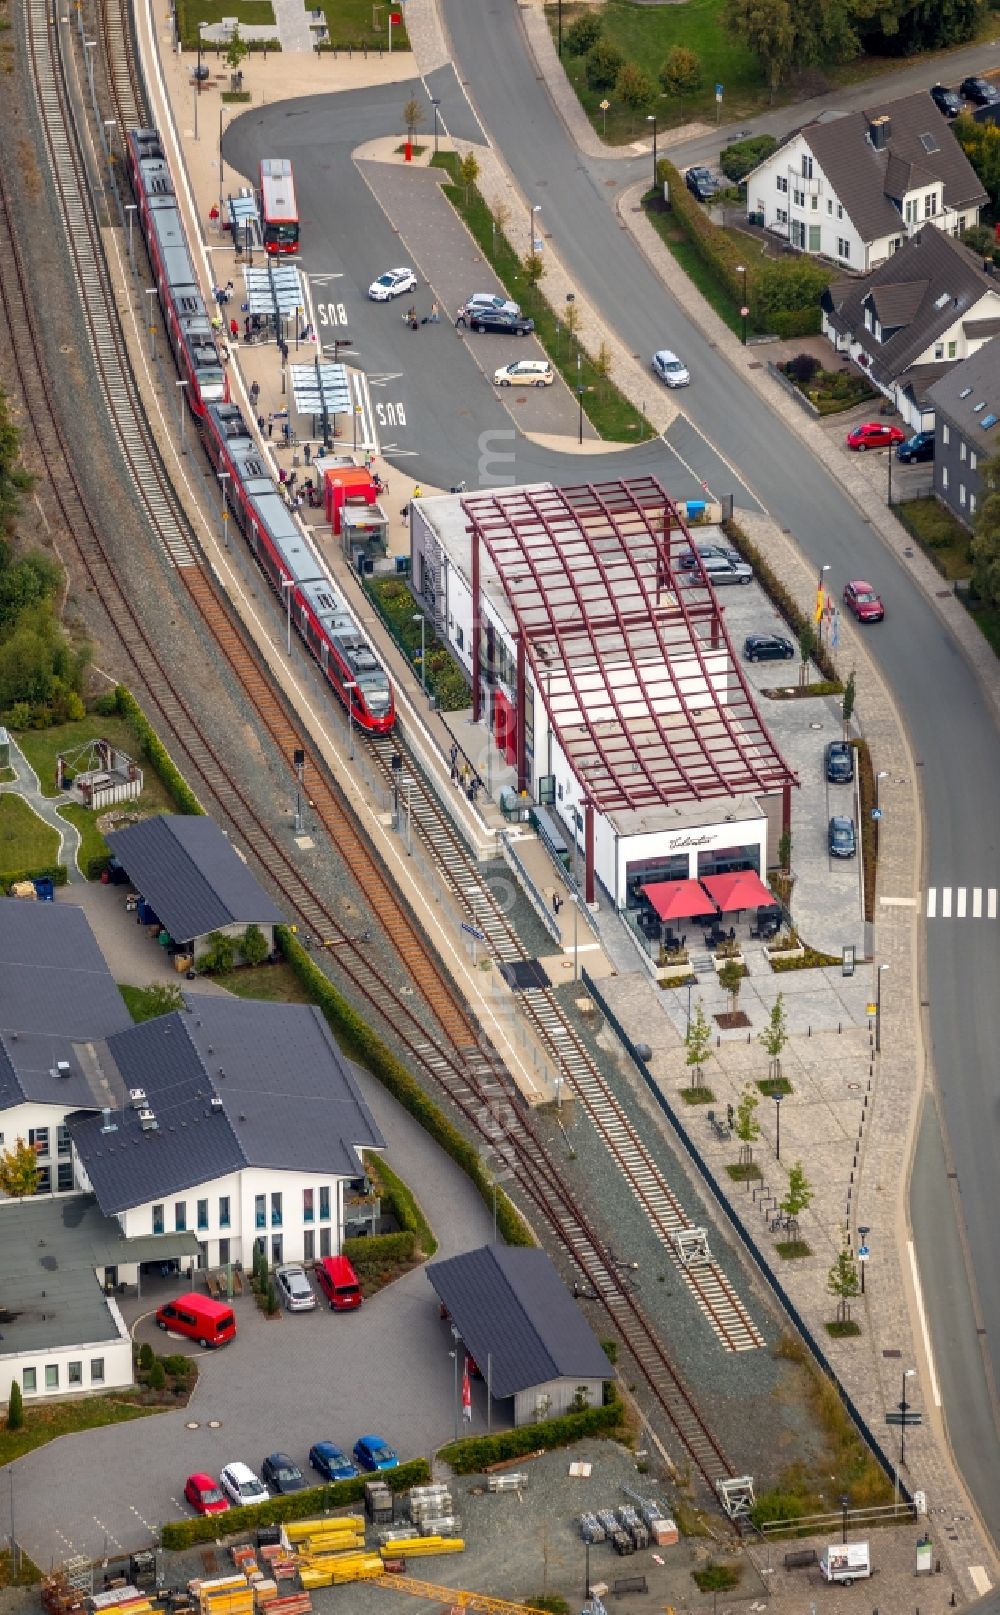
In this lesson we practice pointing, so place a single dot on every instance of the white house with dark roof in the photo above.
(237, 1121)
(855, 187)
(967, 429)
(916, 316)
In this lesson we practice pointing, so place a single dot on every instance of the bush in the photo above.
(157, 1376)
(737, 160)
(56, 873)
(97, 865)
(315, 1500)
(582, 34)
(802, 368)
(681, 72)
(253, 945)
(147, 1356)
(473, 1456)
(178, 1365)
(220, 955)
(15, 1407)
(106, 705)
(380, 1249)
(271, 1306)
(604, 63)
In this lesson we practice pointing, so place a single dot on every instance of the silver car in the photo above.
(294, 1288)
(669, 369)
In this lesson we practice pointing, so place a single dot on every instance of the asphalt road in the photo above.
(728, 441)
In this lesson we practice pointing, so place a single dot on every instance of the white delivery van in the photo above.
(846, 1562)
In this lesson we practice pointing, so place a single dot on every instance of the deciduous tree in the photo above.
(774, 1037)
(19, 1170)
(468, 173)
(799, 1194)
(583, 33)
(842, 1281)
(747, 1127)
(698, 1044)
(681, 72)
(413, 116)
(634, 88)
(604, 63)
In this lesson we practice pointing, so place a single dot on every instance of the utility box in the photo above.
(846, 1562)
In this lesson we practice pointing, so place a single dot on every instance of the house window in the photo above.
(840, 210)
(930, 204)
(65, 1176)
(799, 197)
(945, 434)
(275, 1211)
(202, 1213)
(38, 1138)
(829, 206)
(308, 1205)
(814, 203)
(843, 247)
(74, 1373)
(815, 234)
(97, 1371)
(44, 1180)
(807, 166)
(180, 1216)
(62, 1136)
(783, 184)
(952, 350)
(324, 1203)
(961, 494)
(29, 1379)
(459, 639)
(325, 1245)
(52, 1376)
(223, 1211)
(944, 477)
(895, 244)
(157, 1219)
(869, 318)
(798, 236)
(260, 1210)
(972, 459)
(224, 1256)
(781, 215)
(972, 504)
(276, 1249)
(939, 350)
(962, 450)
(910, 210)
(309, 1245)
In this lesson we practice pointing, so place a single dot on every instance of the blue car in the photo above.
(918, 447)
(330, 1462)
(371, 1452)
(841, 839)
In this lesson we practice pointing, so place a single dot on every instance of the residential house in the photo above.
(194, 880)
(913, 318)
(855, 187)
(237, 1121)
(967, 413)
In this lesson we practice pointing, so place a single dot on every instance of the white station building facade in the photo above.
(603, 667)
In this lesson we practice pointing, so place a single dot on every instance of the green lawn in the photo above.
(41, 746)
(276, 984)
(44, 1424)
(92, 843)
(939, 533)
(360, 22)
(252, 13)
(25, 841)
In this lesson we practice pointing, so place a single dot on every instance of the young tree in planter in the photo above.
(698, 1042)
(807, 647)
(799, 1194)
(731, 979)
(774, 1037)
(602, 364)
(19, 1170)
(747, 1127)
(413, 114)
(847, 704)
(157, 1376)
(15, 1407)
(468, 173)
(237, 51)
(842, 1281)
(534, 268)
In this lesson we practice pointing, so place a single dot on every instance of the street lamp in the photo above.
(878, 1008)
(223, 477)
(350, 686)
(288, 585)
(777, 1097)
(130, 209)
(741, 269)
(90, 45)
(559, 29)
(863, 1232)
(908, 1373)
(651, 118)
(531, 227)
(845, 1503)
(182, 413)
(419, 617)
(435, 103)
(579, 395)
(454, 1357)
(151, 293)
(570, 300)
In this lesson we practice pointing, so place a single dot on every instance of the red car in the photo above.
(861, 598)
(874, 435)
(203, 1493)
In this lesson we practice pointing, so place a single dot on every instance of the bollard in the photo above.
(810, 1032)
(840, 1028)
(748, 1040)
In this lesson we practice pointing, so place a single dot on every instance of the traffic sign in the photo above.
(876, 814)
(718, 92)
(871, 1009)
(863, 1253)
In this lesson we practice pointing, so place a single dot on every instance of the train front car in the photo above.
(345, 656)
(189, 327)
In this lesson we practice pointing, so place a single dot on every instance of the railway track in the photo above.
(450, 1056)
(713, 1293)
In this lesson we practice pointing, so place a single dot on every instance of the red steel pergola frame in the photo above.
(601, 603)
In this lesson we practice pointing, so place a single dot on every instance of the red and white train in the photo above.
(283, 548)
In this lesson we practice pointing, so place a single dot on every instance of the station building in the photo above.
(603, 667)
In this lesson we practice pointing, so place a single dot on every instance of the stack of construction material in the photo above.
(636, 1528)
(280, 1562)
(329, 1552)
(416, 1547)
(225, 1595)
(125, 1600)
(664, 1533)
(394, 1533)
(441, 1525)
(515, 1481)
(622, 1542)
(591, 1529)
(609, 1520)
(244, 1558)
(59, 1597)
(428, 1502)
(265, 1592)
(314, 1537)
(378, 1502)
(338, 1568)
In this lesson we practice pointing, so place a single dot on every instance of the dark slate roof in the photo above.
(510, 1305)
(869, 183)
(55, 990)
(285, 1101)
(191, 876)
(981, 374)
(981, 328)
(920, 378)
(51, 1294)
(932, 264)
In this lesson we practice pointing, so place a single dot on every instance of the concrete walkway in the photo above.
(28, 788)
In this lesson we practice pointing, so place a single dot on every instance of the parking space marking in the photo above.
(109, 1536)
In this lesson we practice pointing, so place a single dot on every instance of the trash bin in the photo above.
(695, 509)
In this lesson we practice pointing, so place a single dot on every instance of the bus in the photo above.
(277, 205)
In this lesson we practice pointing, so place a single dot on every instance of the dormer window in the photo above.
(930, 204)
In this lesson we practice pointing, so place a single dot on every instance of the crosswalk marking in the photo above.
(977, 902)
(952, 902)
(932, 903)
(960, 905)
(946, 903)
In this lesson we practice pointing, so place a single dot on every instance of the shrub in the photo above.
(253, 945)
(737, 160)
(15, 1407)
(272, 1299)
(604, 63)
(106, 705)
(220, 955)
(380, 1249)
(582, 34)
(634, 88)
(681, 72)
(157, 1376)
(472, 1456)
(147, 1356)
(56, 873)
(178, 1365)
(802, 368)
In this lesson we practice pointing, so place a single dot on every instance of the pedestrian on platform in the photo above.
(234, 329)
(557, 902)
(270, 426)
(286, 432)
(254, 393)
(282, 476)
(261, 423)
(307, 451)
(434, 318)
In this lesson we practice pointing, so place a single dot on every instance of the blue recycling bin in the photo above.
(695, 509)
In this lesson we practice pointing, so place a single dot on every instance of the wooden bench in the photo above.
(800, 1558)
(629, 1584)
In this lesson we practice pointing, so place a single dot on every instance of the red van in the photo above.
(339, 1283)
(210, 1323)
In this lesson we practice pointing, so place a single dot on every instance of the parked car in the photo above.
(339, 1283)
(687, 558)
(524, 373)
(839, 762)
(481, 302)
(330, 1462)
(768, 648)
(203, 1493)
(669, 368)
(720, 569)
(210, 1323)
(392, 284)
(946, 101)
(874, 435)
(294, 1288)
(840, 838)
(242, 1486)
(371, 1452)
(861, 599)
(280, 1475)
(980, 91)
(702, 183)
(508, 321)
(918, 447)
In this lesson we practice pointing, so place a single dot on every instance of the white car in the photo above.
(294, 1288)
(524, 373)
(242, 1486)
(392, 284)
(669, 368)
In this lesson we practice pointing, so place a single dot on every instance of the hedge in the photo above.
(473, 1456)
(362, 1044)
(793, 614)
(402, 1203)
(152, 749)
(56, 873)
(176, 1534)
(380, 1247)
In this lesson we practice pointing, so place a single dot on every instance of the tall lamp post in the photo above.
(559, 28)
(182, 412)
(845, 1503)
(777, 1097)
(651, 118)
(435, 103)
(863, 1232)
(878, 1008)
(419, 617)
(573, 807)
(350, 686)
(537, 208)
(579, 394)
(223, 477)
(741, 269)
(908, 1373)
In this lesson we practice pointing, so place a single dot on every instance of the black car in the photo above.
(839, 762)
(702, 183)
(280, 1475)
(918, 447)
(500, 319)
(980, 91)
(688, 560)
(946, 101)
(768, 648)
(841, 839)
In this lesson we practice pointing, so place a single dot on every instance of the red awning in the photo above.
(678, 899)
(742, 889)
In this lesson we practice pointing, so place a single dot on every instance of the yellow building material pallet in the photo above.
(415, 1547)
(323, 1547)
(297, 1530)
